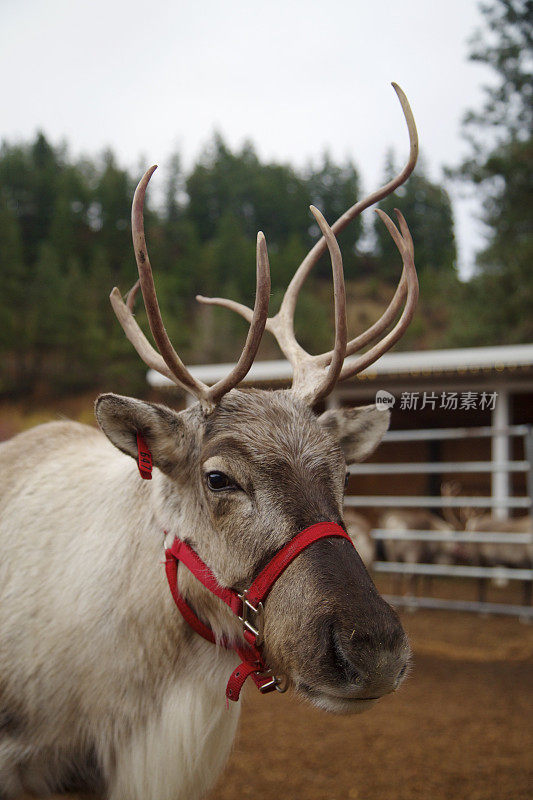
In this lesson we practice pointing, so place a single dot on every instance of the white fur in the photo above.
(181, 752)
(94, 652)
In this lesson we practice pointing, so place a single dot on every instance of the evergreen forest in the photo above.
(65, 241)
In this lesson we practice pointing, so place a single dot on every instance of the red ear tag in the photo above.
(144, 460)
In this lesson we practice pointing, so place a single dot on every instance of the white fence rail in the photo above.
(478, 571)
(455, 571)
(439, 603)
(485, 537)
(403, 501)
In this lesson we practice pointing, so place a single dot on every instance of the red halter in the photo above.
(248, 606)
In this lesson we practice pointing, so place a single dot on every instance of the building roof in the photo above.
(427, 362)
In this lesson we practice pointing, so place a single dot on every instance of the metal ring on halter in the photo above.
(281, 683)
(252, 618)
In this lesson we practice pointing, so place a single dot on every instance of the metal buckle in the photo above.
(252, 618)
(280, 684)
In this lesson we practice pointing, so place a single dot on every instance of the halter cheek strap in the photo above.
(248, 606)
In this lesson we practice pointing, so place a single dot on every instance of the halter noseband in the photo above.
(248, 606)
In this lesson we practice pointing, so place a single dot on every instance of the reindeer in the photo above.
(490, 554)
(499, 553)
(415, 551)
(464, 553)
(502, 554)
(105, 687)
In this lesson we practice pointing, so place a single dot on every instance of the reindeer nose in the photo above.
(371, 662)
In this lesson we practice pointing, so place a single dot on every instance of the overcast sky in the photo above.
(295, 77)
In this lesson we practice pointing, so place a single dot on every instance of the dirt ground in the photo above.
(460, 727)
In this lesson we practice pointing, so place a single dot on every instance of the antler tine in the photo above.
(176, 366)
(311, 381)
(124, 314)
(232, 305)
(167, 362)
(320, 389)
(257, 325)
(378, 327)
(353, 345)
(291, 295)
(131, 297)
(404, 243)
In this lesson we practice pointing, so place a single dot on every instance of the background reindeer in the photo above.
(104, 686)
(415, 551)
(491, 554)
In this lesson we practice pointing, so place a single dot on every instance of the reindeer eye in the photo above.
(217, 481)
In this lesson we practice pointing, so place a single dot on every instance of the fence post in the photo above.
(500, 453)
(528, 453)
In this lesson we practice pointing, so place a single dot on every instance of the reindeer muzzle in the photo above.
(248, 606)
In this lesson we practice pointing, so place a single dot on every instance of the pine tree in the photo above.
(500, 296)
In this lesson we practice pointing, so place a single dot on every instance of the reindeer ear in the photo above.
(359, 430)
(122, 418)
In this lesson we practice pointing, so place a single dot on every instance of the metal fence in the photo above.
(495, 572)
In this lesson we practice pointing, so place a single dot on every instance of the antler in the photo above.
(462, 518)
(167, 362)
(315, 376)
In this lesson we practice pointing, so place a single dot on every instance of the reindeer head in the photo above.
(243, 471)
